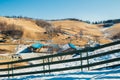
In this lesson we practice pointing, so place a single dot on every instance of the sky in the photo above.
(92, 10)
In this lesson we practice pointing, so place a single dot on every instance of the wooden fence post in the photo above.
(44, 66)
(81, 61)
(48, 65)
(8, 71)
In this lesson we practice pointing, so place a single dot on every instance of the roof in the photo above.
(37, 45)
(72, 45)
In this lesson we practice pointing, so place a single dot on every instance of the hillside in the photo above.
(29, 28)
(76, 32)
(77, 28)
(113, 32)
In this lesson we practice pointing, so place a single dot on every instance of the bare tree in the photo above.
(2, 26)
(97, 39)
(43, 24)
(81, 34)
(116, 36)
(13, 31)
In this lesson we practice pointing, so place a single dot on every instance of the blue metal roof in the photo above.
(37, 45)
(72, 45)
(26, 50)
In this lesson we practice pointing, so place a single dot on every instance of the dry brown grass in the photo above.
(74, 27)
(31, 31)
(29, 28)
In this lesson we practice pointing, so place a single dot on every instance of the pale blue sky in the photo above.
(92, 10)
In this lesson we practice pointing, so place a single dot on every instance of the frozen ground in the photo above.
(113, 74)
(106, 74)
